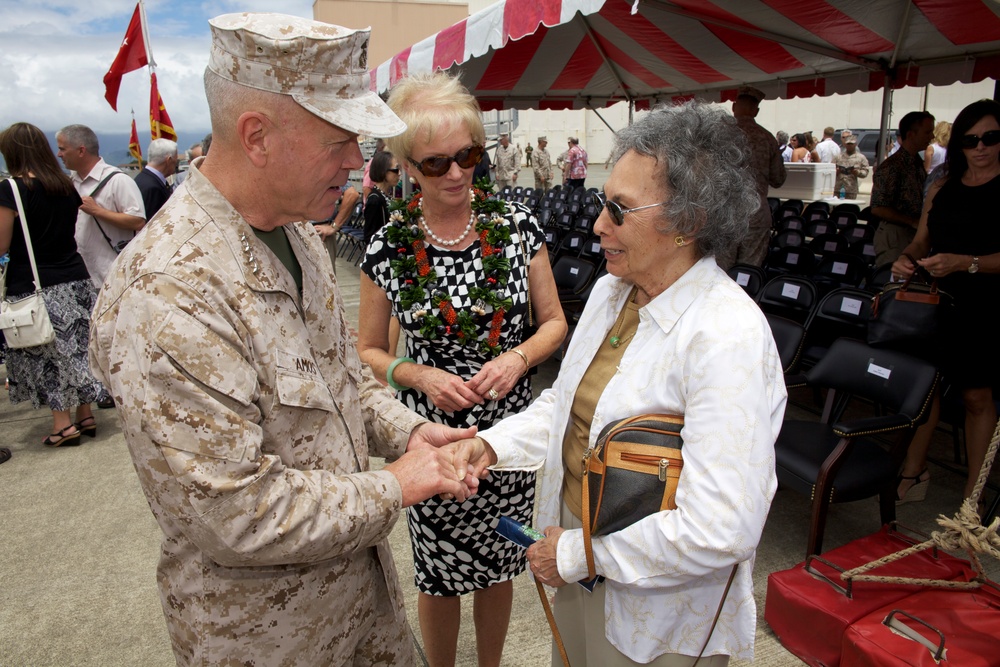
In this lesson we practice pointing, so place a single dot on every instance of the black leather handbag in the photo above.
(908, 316)
(630, 473)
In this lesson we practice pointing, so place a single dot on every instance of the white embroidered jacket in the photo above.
(703, 349)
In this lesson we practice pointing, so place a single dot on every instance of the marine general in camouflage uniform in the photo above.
(248, 415)
(542, 166)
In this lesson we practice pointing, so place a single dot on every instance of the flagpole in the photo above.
(145, 37)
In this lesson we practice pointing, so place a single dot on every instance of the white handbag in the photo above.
(25, 322)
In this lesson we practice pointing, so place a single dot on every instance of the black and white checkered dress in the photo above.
(455, 548)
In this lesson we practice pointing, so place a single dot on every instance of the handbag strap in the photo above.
(27, 235)
(93, 193)
(588, 544)
(550, 617)
(557, 637)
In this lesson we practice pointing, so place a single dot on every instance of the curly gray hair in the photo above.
(703, 162)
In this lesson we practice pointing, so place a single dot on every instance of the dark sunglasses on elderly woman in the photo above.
(440, 164)
(991, 138)
(615, 209)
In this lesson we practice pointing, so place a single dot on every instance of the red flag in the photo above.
(131, 56)
(159, 121)
(133, 144)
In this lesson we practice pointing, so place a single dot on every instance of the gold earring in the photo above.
(679, 240)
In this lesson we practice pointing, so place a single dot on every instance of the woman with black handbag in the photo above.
(958, 244)
(668, 333)
(56, 374)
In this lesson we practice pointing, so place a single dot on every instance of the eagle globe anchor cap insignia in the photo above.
(323, 67)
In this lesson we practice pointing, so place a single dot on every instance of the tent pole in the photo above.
(631, 111)
(884, 123)
(598, 114)
(604, 56)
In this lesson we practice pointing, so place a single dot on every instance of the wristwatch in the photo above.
(975, 264)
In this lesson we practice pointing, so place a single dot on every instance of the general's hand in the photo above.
(542, 558)
(945, 263)
(427, 472)
(498, 374)
(447, 391)
(429, 435)
(902, 268)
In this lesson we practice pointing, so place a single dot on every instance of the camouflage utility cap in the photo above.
(749, 91)
(321, 66)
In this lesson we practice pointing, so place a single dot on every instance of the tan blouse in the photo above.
(592, 385)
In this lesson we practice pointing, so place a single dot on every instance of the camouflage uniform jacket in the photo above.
(542, 164)
(768, 167)
(249, 416)
(508, 162)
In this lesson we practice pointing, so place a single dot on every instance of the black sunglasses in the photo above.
(394, 170)
(991, 138)
(440, 164)
(615, 209)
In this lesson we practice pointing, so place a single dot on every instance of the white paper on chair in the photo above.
(879, 371)
(849, 305)
(790, 291)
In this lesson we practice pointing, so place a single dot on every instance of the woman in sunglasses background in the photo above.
(464, 273)
(667, 332)
(958, 244)
(385, 175)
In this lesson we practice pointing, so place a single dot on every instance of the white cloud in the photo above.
(54, 54)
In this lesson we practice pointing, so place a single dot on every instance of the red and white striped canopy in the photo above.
(563, 54)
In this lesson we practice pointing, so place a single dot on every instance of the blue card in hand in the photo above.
(525, 536)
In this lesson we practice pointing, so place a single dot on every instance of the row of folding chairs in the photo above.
(351, 237)
(840, 312)
(814, 210)
(821, 341)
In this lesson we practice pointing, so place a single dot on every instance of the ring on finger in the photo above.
(493, 394)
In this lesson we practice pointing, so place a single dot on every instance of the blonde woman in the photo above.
(463, 272)
(937, 151)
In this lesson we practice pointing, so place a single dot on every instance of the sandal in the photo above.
(87, 426)
(917, 491)
(63, 439)
(4, 454)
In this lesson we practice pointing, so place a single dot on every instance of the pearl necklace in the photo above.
(453, 242)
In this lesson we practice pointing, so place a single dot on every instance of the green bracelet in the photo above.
(392, 367)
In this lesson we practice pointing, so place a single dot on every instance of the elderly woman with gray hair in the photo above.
(666, 332)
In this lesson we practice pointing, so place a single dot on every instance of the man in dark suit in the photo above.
(152, 180)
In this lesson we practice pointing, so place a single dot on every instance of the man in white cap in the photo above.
(246, 410)
(768, 170)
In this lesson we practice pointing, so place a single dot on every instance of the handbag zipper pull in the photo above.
(663, 469)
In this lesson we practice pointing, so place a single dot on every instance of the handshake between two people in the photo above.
(441, 461)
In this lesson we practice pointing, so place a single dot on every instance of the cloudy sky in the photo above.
(54, 54)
